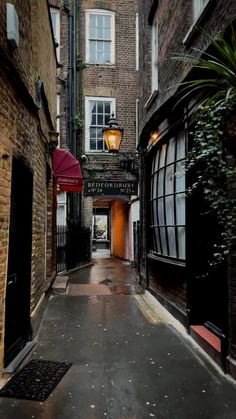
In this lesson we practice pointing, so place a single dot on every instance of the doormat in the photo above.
(36, 380)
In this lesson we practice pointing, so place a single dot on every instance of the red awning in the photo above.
(67, 171)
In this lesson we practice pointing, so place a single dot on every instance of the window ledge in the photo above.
(167, 260)
(100, 65)
(195, 26)
(99, 154)
(151, 99)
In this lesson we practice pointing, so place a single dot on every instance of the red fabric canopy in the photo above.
(67, 171)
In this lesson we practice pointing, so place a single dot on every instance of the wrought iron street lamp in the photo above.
(112, 135)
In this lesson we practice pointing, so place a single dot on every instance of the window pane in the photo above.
(154, 206)
(180, 209)
(169, 183)
(107, 22)
(156, 161)
(107, 34)
(107, 52)
(99, 107)
(99, 132)
(107, 108)
(54, 23)
(92, 21)
(171, 151)
(107, 117)
(153, 235)
(100, 144)
(154, 194)
(163, 155)
(170, 215)
(151, 189)
(97, 122)
(93, 32)
(100, 38)
(92, 51)
(100, 55)
(93, 107)
(157, 241)
(161, 211)
(92, 132)
(92, 144)
(168, 211)
(93, 121)
(151, 214)
(181, 146)
(99, 26)
(180, 176)
(107, 58)
(163, 240)
(160, 182)
(100, 119)
(172, 241)
(181, 242)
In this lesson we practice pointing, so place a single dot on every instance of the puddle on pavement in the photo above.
(123, 289)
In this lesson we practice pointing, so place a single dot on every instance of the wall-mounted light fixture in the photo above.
(53, 139)
(154, 136)
(112, 135)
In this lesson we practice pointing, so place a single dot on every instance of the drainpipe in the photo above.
(70, 81)
(71, 99)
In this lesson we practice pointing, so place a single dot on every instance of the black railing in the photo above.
(73, 247)
(62, 239)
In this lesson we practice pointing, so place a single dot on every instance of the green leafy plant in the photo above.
(78, 121)
(218, 70)
(214, 137)
(214, 170)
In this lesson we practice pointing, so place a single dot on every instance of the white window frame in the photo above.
(155, 53)
(198, 7)
(137, 41)
(101, 12)
(89, 99)
(167, 200)
(56, 32)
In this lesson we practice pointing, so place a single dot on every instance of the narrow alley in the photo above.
(130, 358)
(117, 209)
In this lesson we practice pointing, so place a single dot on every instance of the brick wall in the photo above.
(119, 81)
(44, 63)
(24, 131)
(87, 211)
(5, 176)
(174, 19)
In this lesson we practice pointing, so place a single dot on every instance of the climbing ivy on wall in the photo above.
(214, 171)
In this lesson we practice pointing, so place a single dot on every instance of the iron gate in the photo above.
(73, 247)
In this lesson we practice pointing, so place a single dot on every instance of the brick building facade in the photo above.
(27, 114)
(170, 240)
(108, 83)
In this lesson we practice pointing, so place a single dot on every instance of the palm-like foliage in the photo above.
(219, 70)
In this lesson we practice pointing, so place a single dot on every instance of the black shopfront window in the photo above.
(167, 200)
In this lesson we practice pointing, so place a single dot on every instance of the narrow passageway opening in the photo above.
(110, 228)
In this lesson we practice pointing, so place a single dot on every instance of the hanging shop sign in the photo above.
(110, 188)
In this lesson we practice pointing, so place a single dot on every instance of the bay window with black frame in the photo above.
(167, 220)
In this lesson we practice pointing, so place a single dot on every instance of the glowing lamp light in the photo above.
(112, 135)
(154, 136)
